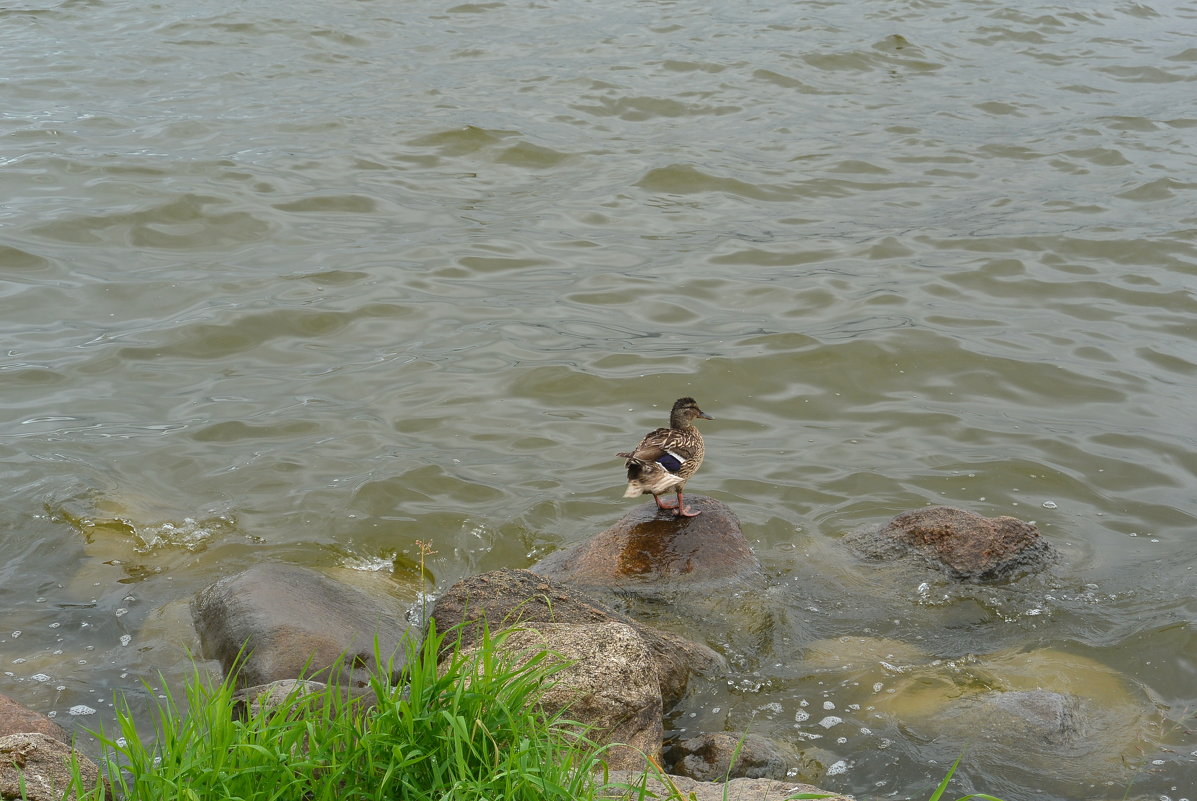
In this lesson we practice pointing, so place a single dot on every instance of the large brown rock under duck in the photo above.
(963, 543)
(652, 553)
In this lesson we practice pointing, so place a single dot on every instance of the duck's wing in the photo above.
(667, 447)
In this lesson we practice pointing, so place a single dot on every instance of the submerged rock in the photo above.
(505, 598)
(965, 544)
(292, 623)
(609, 684)
(1061, 718)
(654, 554)
(37, 767)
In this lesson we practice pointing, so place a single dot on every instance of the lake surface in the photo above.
(314, 281)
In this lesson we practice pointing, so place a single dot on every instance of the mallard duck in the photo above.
(666, 458)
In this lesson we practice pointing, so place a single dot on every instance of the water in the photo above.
(312, 281)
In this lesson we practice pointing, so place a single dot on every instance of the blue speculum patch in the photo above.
(670, 462)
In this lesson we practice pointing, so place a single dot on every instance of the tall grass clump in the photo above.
(467, 729)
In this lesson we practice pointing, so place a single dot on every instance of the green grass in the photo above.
(467, 730)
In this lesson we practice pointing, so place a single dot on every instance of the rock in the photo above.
(722, 755)
(855, 654)
(43, 764)
(623, 786)
(653, 554)
(507, 597)
(964, 544)
(16, 718)
(609, 685)
(1054, 718)
(251, 701)
(296, 623)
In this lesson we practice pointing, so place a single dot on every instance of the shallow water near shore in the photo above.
(312, 282)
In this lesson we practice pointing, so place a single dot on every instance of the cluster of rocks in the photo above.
(274, 624)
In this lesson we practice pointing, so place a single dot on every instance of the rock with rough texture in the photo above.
(43, 765)
(16, 718)
(609, 685)
(252, 701)
(719, 756)
(619, 782)
(651, 553)
(963, 543)
(509, 597)
(296, 623)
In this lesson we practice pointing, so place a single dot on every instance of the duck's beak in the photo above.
(704, 415)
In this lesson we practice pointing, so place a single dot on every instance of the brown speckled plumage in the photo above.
(667, 457)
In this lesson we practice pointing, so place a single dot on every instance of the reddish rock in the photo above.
(16, 718)
(967, 545)
(509, 597)
(653, 553)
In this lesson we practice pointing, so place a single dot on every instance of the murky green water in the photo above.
(311, 281)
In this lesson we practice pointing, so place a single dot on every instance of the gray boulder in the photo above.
(290, 622)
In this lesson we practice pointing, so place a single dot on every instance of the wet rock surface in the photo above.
(296, 623)
(724, 755)
(652, 553)
(964, 544)
(609, 685)
(37, 767)
(508, 597)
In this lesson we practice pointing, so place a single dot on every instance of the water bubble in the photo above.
(831, 721)
(126, 639)
(829, 705)
(81, 709)
(40, 677)
(801, 717)
(836, 768)
(1049, 505)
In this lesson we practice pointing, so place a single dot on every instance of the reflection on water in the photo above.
(311, 282)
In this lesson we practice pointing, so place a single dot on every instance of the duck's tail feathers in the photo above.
(648, 477)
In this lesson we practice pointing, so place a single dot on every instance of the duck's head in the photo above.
(685, 410)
